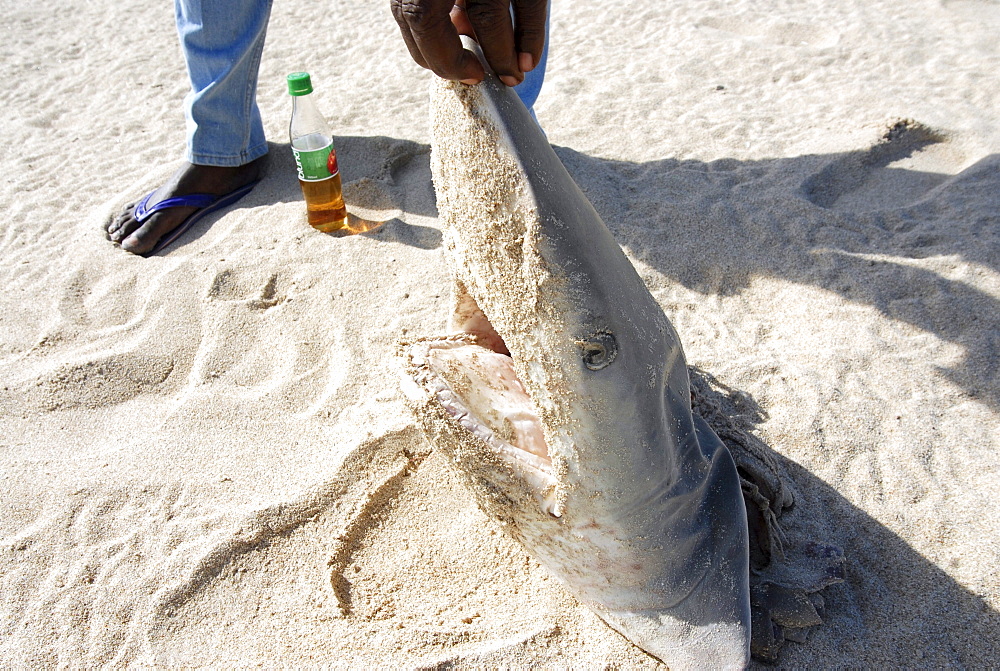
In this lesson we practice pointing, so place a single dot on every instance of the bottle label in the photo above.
(315, 166)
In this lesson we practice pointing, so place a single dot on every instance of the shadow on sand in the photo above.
(869, 616)
(713, 228)
(854, 224)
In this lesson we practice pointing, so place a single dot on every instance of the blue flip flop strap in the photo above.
(198, 200)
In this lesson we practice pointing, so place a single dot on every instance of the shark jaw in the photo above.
(477, 388)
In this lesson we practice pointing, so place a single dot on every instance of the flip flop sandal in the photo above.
(206, 202)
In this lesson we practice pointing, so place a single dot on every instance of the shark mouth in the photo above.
(471, 375)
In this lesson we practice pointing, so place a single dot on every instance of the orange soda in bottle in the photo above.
(315, 158)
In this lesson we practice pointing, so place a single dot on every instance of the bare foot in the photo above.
(139, 238)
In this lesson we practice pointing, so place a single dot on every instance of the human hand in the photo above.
(431, 30)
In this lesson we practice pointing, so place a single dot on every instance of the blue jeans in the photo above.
(222, 41)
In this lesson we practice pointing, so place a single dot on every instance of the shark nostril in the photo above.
(598, 350)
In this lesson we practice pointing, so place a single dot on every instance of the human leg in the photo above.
(222, 43)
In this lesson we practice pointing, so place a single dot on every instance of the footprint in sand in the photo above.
(97, 383)
(230, 285)
(247, 347)
(377, 172)
(908, 162)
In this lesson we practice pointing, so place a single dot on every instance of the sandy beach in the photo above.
(206, 456)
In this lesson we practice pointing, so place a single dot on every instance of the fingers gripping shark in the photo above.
(562, 395)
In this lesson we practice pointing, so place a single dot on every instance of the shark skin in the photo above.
(562, 395)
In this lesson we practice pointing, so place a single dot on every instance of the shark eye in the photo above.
(598, 350)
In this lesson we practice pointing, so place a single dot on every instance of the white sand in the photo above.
(205, 457)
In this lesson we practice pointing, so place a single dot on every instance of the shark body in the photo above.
(562, 395)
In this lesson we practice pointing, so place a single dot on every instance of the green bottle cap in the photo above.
(299, 84)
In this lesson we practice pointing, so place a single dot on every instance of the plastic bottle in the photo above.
(315, 158)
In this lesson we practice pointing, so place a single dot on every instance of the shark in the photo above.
(561, 394)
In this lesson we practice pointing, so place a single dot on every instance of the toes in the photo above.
(121, 220)
(139, 242)
(121, 228)
(140, 239)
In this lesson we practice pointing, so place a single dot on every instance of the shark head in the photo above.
(562, 394)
